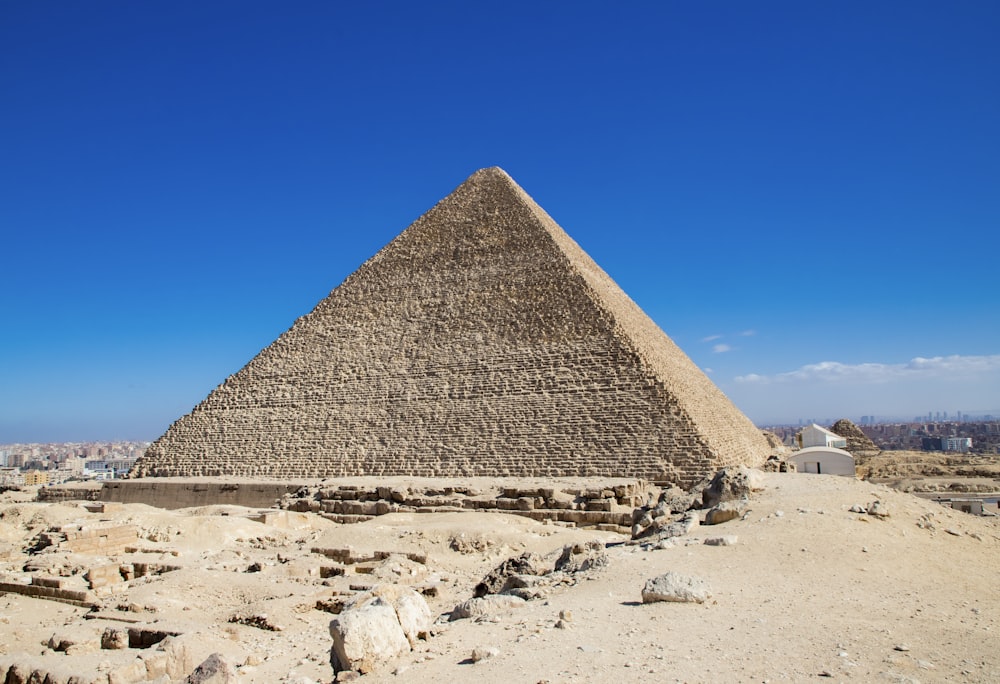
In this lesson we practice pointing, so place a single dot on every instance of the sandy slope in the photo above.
(809, 591)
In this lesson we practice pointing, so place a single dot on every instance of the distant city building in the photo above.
(961, 444)
(36, 477)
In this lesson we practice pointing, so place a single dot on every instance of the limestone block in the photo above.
(366, 636)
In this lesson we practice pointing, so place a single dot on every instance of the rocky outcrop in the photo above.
(858, 443)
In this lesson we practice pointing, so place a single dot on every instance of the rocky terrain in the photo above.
(809, 577)
(933, 471)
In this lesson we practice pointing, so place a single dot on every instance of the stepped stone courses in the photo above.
(482, 341)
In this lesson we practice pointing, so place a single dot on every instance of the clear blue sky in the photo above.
(804, 195)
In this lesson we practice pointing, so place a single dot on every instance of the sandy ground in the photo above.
(809, 591)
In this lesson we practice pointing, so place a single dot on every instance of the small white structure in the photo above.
(814, 435)
(823, 460)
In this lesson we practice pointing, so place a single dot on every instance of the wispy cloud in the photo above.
(711, 338)
(748, 333)
(721, 348)
(873, 373)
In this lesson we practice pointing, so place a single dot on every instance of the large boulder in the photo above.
(676, 588)
(724, 512)
(215, 669)
(412, 610)
(730, 484)
(366, 635)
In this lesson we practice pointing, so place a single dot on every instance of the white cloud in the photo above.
(721, 348)
(711, 338)
(748, 333)
(708, 371)
(942, 367)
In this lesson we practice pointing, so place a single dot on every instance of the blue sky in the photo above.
(804, 196)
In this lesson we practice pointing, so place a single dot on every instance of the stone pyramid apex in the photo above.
(481, 341)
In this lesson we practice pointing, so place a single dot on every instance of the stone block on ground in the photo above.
(673, 587)
(724, 512)
(366, 635)
(486, 606)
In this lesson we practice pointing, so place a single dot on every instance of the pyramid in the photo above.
(481, 341)
(858, 443)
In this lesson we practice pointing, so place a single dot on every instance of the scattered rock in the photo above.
(724, 512)
(671, 506)
(61, 642)
(484, 652)
(878, 509)
(674, 587)
(525, 564)
(486, 606)
(730, 484)
(528, 587)
(582, 557)
(258, 620)
(214, 670)
(952, 531)
(676, 500)
(727, 540)
(114, 639)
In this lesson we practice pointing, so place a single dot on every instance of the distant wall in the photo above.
(188, 493)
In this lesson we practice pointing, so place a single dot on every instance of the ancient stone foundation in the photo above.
(606, 506)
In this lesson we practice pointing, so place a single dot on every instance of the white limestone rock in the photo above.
(412, 610)
(673, 587)
(724, 512)
(365, 635)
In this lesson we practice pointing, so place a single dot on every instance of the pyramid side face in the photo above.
(732, 437)
(481, 341)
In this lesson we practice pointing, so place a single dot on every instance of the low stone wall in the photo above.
(186, 493)
(605, 506)
(604, 503)
(74, 491)
(46, 590)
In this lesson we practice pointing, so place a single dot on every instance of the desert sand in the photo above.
(806, 590)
